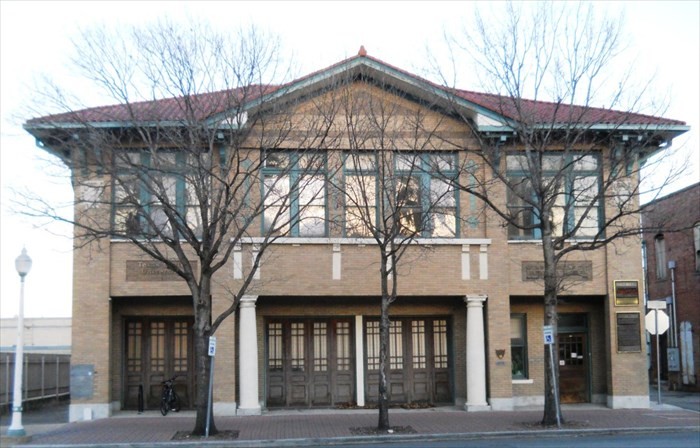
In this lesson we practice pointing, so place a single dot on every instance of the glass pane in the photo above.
(442, 162)
(517, 163)
(297, 346)
(274, 346)
(441, 193)
(395, 345)
(312, 190)
(126, 220)
(372, 345)
(276, 203)
(553, 162)
(517, 359)
(133, 347)
(361, 190)
(320, 346)
(180, 348)
(407, 162)
(440, 343)
(408, 203)
(360, 162)
(276, 160)
(157, 338)
(342, 338)
(444, 224)
(586, 163)
(418, 340)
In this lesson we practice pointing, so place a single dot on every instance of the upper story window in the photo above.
(660, 253)
(360, 194)
(294, 191)
(425, 200)
(147, 188)
(576, 201)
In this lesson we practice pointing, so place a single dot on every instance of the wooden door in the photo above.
(155, 350)
(310, 362)
(573, 368)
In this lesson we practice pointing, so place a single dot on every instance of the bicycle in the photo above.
(169, 401)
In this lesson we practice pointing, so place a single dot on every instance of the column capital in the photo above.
(248, 301)
(475, 299)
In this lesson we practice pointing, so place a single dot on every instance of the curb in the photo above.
(388, 439)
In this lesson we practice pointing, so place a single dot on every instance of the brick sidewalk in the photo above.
(310, 426)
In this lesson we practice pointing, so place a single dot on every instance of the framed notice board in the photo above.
(629, 337)
(626, 292)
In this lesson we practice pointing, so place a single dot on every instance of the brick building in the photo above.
(673, 275)
(466, 328)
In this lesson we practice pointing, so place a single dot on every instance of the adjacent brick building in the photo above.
(673, 275)
(467, 325)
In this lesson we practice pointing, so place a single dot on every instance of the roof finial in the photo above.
(362, 51)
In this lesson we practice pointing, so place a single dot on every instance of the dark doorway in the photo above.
(573, 359)
(155, 350)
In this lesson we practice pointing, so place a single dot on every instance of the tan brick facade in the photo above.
(114, 284)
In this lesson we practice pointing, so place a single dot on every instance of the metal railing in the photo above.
(45, 376)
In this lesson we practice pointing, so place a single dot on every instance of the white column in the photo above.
(359, 361)
(476, 354)
(248, 358)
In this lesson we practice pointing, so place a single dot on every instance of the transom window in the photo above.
(576, 200)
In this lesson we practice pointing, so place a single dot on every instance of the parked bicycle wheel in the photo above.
(175, 402)
(164, 406)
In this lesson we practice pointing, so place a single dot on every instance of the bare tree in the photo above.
(392, 191)
(175, 167)
(554, 168)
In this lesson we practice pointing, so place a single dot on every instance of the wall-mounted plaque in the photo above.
(626, 292)
(151, 271)
(628, 332)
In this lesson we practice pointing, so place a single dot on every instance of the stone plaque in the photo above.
(81, 380)
(628, 332)
(151, 271)
(570, 270)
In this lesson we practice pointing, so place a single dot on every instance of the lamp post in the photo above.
(23, 264)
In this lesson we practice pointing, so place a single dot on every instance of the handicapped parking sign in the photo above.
(548, 335)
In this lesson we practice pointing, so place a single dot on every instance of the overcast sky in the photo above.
(36, 38)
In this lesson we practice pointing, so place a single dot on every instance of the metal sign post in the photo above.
(549, 341)
(212, 354)
(657, 328)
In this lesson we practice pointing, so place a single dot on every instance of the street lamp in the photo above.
(23, 264)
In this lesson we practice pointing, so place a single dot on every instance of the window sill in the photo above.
(523, 381)
(367, 241)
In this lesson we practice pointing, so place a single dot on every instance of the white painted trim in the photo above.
(483, 262)
(237, 262)
(359, 361)
(365, 241)
(466, 263)
(525, 381)
(336, 262)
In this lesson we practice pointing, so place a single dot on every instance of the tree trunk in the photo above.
(383, 403)
(552, 409)
(384, 323)
(202, 331)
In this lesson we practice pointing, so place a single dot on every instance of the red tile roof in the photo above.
(207, 105)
